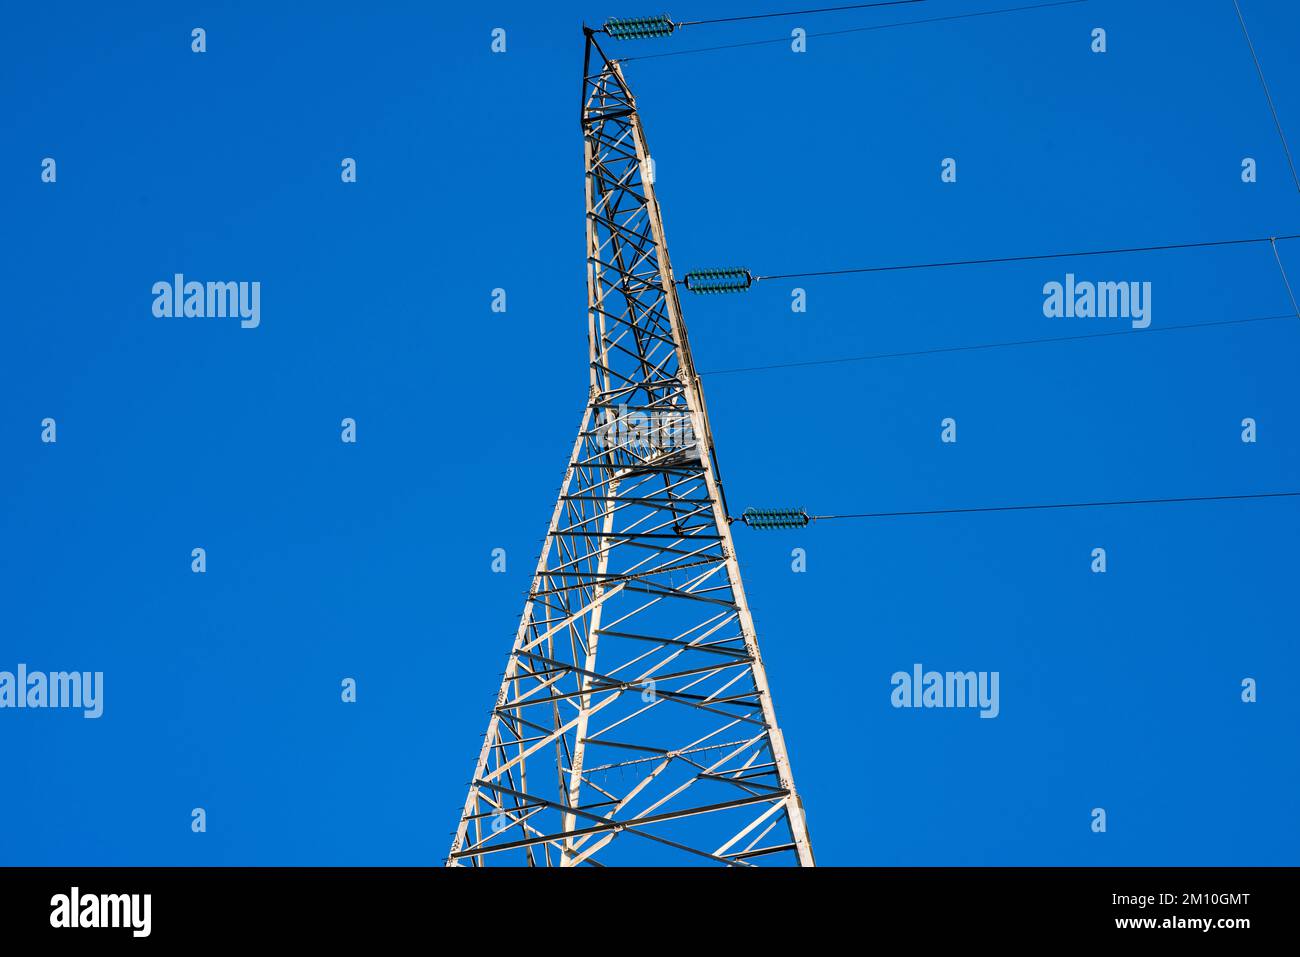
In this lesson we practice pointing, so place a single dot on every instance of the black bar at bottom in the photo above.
(335, 905)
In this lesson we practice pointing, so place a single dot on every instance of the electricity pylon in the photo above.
(634, 724)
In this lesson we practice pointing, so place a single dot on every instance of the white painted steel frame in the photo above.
(628, 627)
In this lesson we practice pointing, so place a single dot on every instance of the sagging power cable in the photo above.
(661, 25)
(798, 13)
(832, 33)
(736, 279)
(1267, 95)
(773, 518)
(997, 345)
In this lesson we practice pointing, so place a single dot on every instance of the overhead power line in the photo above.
(798, 13)
(1267, 95)
(662, 25)
(1025, 508)
(1029, 258)
(1285, 281)
(993, 345)
(832, 33)
(768, 519)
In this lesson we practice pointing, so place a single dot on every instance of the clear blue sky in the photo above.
(372, 560)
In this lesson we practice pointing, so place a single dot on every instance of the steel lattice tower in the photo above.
(634, 722)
